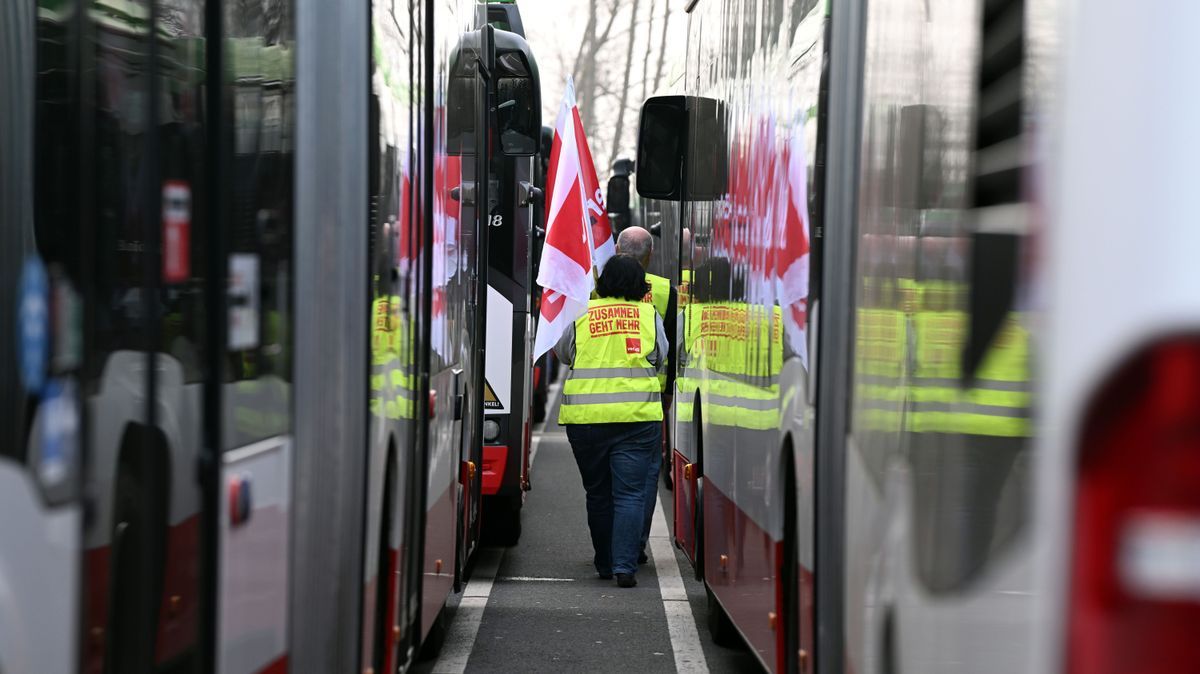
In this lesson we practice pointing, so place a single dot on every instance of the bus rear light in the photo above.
(1135, 577)
(1160, 556)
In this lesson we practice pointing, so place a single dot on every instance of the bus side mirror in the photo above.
(514, 93)
(518, 97)
(682, 153)
(662, 136)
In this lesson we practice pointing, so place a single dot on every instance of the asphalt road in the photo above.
(546, 610)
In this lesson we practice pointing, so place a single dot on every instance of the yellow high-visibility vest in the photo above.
(881, 352)
(393, 385)
(734, 355)
(684, 292)
(659, 295)
(611, 380)
(999, 399)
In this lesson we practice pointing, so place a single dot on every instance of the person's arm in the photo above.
(657, 357)
(565, 349)
(669, 323)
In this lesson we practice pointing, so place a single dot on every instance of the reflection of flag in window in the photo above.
(578, 234)
(791, 256)
(447, 174)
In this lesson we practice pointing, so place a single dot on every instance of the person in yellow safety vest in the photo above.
(639, 244)
(734, 353)
(611, 407)
(686, 264)
(392, 383)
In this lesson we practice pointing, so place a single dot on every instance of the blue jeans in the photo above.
(619, 467)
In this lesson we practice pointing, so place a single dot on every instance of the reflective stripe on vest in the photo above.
(611, 381)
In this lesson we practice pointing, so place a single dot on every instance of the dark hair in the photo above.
(623, 278)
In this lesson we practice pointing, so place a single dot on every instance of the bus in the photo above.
(244, 426)
(509, 387)
(903, 441)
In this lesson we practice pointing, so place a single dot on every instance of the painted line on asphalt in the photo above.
(681, 625)
(460, 639)
(533, 579)
(536, 442)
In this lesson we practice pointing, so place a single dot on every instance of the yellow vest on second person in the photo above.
(659, 295)
(611, 380)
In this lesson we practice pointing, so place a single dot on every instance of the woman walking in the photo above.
(611, 408)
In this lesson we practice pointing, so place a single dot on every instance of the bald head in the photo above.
(636, 243)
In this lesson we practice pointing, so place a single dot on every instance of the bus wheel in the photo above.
(384, 569)
(431, 646)
(502, 520)
(720, 626)
(135, 586)
(791, 572)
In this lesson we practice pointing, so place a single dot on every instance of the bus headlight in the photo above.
(491, 430)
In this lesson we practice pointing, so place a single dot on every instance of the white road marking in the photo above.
(551, 399)
(681, 626)
(460, 640)
(534, 579)
(552, 395)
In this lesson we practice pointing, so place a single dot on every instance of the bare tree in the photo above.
(662, 44)
(624, 91)
(649, 49)
(586, 83)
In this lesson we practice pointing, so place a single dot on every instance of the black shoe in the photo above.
(642, 558)
(605, 576)
(626, 580)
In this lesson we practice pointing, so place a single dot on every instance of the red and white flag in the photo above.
(792, 253)
(578, 233)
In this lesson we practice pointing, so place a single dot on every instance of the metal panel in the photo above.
(836, 330)
(331, 334)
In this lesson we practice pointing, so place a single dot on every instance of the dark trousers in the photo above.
(619, 467)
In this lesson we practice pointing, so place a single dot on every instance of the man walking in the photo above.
(639, 244)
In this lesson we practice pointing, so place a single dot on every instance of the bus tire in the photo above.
(720, 626)
(791, 568)
(383, 563)
(502, 520)
(138, 542)
(698, 517)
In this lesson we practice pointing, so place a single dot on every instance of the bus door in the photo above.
(41, 266)
(253, 370)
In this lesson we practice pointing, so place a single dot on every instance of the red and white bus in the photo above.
(935, 408)
(239, 430)
(508, 392)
